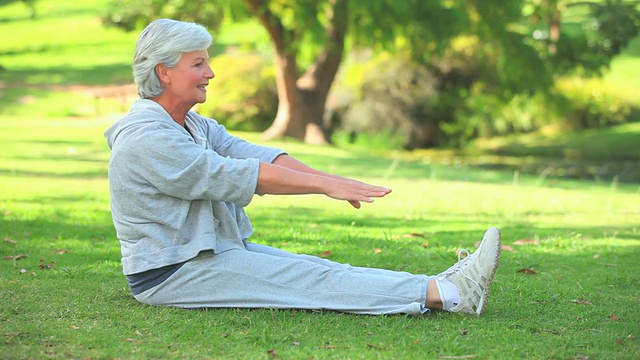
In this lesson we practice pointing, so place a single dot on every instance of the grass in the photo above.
(67, 298)
(63, 295)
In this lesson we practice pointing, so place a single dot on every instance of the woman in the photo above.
(179, 184)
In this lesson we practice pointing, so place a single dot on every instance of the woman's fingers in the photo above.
(355, 203)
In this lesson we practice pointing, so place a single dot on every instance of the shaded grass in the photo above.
(584, 243)
(607, 155)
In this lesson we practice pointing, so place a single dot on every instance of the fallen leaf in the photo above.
(61, 251)
(377, 251)
(618, 341)
(272, 353)
(527, 271)
(463, 332)
(7, 240)
(526, 242)
(74, 327)
(325, 253)
(581, 302)
(506, 248)
(332, 347)
(15, 257)
(614, 317)
(43, 266)
(134, 341)
(15, 334)
(415, 235)
(424, 245)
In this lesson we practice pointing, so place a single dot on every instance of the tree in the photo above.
(583, 35)
(302, 96)
(308, 38)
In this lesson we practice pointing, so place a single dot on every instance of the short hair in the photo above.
(164, 41)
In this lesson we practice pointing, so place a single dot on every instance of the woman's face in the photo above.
(186, 82)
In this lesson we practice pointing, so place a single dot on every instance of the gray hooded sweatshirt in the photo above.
(174, 194)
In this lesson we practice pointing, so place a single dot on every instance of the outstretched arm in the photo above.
(287, 175)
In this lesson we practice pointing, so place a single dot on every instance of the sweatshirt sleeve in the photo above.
(171, 162)
(232, 146)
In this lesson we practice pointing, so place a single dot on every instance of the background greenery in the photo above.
(468, 69)
(65, 79)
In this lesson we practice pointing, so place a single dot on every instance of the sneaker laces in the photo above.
(459, 267)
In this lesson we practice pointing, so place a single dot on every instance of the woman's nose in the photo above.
(210, 74)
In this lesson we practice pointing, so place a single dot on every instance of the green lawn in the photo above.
(62, 294)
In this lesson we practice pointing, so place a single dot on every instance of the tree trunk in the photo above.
(302, 99)
(554, 29)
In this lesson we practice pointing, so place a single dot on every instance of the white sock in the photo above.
(449, 294)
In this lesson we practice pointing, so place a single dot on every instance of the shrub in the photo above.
(243, 94)
(392, 101)
(590, 103)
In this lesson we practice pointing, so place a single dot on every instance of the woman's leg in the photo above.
(264, 249)
(254, 279)
(259, 279)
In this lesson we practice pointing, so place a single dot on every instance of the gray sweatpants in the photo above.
(266, 277)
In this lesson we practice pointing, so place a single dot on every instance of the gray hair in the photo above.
(164, 41)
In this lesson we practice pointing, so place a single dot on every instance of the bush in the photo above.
(243, 94)
(392, 99)
(590, 103)
(483, 114)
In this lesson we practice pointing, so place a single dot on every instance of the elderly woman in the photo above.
(179, 184)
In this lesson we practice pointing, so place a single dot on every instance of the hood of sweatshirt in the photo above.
(143, 113)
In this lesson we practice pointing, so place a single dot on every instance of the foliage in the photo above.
(136, 14)
(395, 96)
(242, 96)
(580, 36)
(29, 4)
(514, 50)
(588, 103)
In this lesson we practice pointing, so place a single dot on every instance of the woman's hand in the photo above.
(353, 191)
(287, 175)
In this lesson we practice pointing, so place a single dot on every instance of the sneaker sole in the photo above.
(485, 297)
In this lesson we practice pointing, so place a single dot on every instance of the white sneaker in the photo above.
(473, 274)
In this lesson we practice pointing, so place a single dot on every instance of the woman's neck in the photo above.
(178, 112)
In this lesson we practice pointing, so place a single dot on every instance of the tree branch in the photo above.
(322, 72)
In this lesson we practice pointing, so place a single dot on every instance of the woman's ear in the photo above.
(162, 72)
